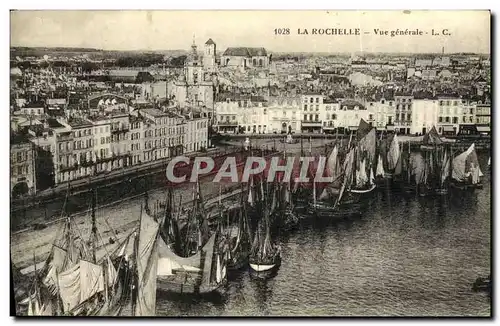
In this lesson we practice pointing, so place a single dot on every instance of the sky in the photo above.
(173, 30)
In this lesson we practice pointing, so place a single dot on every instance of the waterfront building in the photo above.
(82, 150)
(383, 112)
(483, 118)
(332, 119)
(195, 132)
(311, 111)
(237, 113)
(402, 117)
(284, 114)
(163, 134)
(424, 115)
(450, 113)
(22, 174)
(102, 143)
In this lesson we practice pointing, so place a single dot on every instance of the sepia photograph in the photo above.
(272, 163)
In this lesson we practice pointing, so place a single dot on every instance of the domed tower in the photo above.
(209, 54)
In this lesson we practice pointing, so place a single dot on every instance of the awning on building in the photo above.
(483, 128)
(353, 128)
(380, 128)
(448, 129)
(390, 127)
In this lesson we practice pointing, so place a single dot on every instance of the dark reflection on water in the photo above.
(405, 255)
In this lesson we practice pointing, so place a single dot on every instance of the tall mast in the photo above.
(94, 227)
(408, 167)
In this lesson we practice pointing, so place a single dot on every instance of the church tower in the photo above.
(209, 54)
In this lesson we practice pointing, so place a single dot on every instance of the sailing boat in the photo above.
(409, 185)
(366, 141)
(424, 178)
(239, 247)
(380, 172)
(336, 200)
(202, 273)
(35, 305)
(146, 266)
(264, 256)
(80, 284)
(393, 157)
(195, 233)
(444, 173)
(202, 268)
(466, 173)
(431, 140)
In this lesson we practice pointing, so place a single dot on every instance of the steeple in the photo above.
(193, 46)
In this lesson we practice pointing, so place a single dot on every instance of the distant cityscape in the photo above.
(77, 113)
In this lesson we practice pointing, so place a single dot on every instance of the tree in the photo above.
(178, 61)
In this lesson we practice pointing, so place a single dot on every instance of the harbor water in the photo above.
(404, 256)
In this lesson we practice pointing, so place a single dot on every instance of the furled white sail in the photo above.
(208, 252)
(56, 264)
(445, 169)
(348, 165)
(250, 193)
(380, 167)
(219, 270)
(367, 145)
(361, 177)
(394, 153)
(91, 279)
(465, 164)
(372, 177)
(332, 163)
(111, 272)
(147, 266)
(79, 283)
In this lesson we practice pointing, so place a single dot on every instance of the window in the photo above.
(447, 119)
(440, 102)
(316, 117)
(305, 117)
(305, 107)
(317, 99)
(317, 107)
(383, 101)
(390, 103)
(312, 100)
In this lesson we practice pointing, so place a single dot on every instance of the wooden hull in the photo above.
(169, 285)
(238, 261)
(262, 268)
(265, 267)
(363, 191)
(465, 186)
(441, 191)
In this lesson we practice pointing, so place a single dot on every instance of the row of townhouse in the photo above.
(84, 147)
(402, 113)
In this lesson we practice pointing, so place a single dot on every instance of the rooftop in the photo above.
(79, 123)
(245, 52)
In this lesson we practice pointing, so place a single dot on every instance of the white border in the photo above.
(190, 4)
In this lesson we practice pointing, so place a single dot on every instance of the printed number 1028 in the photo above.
(282, 31)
